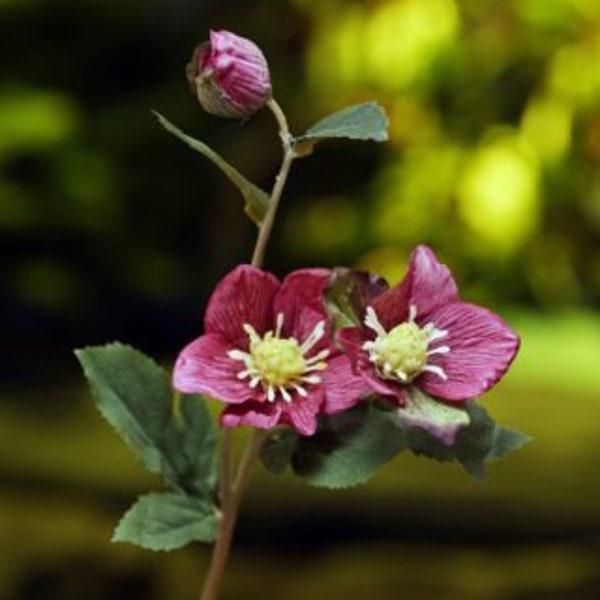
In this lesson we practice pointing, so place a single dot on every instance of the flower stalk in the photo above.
(232, 489)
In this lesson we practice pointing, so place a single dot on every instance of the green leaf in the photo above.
(257, 200)
(189, 446)
(481, 441)
(165, 521)
(506, 441)
(278, 449)
(348, 293)
(349, 448)
(366, 121)
(134, 394)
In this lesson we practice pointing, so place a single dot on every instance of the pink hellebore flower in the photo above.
(267, 352)
(229, 75)
(419, 333)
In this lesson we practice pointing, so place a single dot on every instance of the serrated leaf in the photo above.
(348, 293)
(476, 444)
(189, 447)
(278, 449)
(257, 200)
(134, 395)
(366, 121)
(165, 521)
(348, 448)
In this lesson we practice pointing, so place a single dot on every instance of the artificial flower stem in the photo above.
(288, 156)
(231, 492)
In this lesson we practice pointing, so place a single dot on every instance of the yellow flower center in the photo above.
(404, 349)
(277, 361)
(403, 352)
(281, 365)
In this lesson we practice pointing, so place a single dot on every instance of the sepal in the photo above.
(476, 444)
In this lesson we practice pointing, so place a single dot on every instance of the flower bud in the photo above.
(229, 75)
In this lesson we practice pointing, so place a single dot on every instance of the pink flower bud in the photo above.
(230, 76)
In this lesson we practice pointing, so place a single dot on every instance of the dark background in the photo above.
(112, 229)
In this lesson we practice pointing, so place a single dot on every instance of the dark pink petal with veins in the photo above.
(482, 347)
(245, 295)
(203, 367)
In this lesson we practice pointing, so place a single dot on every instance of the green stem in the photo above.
(266, 227)
(232, 490)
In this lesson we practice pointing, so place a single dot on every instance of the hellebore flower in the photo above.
(229, 75)
(267, 352)
(419, 334)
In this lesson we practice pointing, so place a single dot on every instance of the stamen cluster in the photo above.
(402, 353)
(281, 364)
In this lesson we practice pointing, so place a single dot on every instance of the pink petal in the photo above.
(302, 412)
(245, 295)
(351, 340)
(343, 388)
(264, 415)
(300, 299)
(427, 285)
(482, 346)
(203, 367)
(241, 70)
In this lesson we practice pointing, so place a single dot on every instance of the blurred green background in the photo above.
(111, 229)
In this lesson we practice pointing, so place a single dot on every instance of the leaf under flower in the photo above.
(348, 448)
(442, 421)
(166, 521)
(134, 395)
(476, 444)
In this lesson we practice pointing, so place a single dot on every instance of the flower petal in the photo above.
(264, 415)
(302, 412)
(245, 295)
(203, 367)
(343, 388)
(427, 285)
(351, 340)
(482, 346)
(300, 299)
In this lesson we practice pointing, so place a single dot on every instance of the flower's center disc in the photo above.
(402, 350)
(277, 361)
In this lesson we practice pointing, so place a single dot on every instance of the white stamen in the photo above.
(317, 357)
(436, 371)
(279, 324)
(372, 322)
(238, 355)
(318, 367)
(436, 334)
(254, 382)
(300, 390)
(387, 368)
(412, 313)
(270, 393)
(401, 374)
(311, 379)
(313, 338)
(284, 393)
(254, 337)
(243, 374)
(439, 350)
